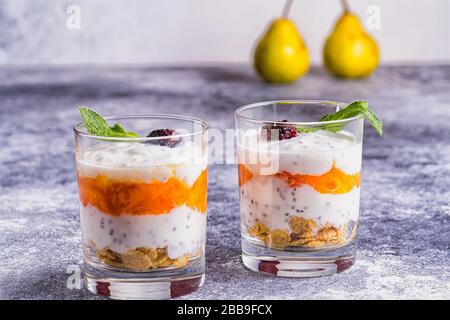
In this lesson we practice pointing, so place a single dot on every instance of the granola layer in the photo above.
(302, 233)
(142, 259)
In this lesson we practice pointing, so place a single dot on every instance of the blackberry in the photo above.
(164, 133)
(280, 131)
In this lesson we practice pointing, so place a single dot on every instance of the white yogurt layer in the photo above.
(182, 230)
(308, 153)
(272, 201)
(143, 161)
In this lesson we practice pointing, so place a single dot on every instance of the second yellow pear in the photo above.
(349, 51)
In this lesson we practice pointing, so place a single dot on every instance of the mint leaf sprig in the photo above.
(97, 125)
(352, 110)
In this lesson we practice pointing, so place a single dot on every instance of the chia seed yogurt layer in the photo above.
(300, 192)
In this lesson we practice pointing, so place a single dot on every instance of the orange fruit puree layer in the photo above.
(116, 197)
(244, 174)
(334, 181)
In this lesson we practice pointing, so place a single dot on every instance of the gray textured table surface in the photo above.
(404, 239)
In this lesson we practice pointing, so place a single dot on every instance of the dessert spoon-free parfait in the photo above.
(142, 203)
(299, 184)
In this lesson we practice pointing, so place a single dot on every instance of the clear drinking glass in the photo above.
(143, 207)
(299, 186)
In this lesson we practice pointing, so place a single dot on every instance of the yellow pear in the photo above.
(350, 52)
(281, 55)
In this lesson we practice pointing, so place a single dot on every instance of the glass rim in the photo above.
(238, 112)
(77, 128)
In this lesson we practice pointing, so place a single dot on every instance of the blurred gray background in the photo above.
(204, 31)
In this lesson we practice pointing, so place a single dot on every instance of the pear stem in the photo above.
(286, 8)
(345, 6)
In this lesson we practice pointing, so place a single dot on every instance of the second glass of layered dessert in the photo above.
(299, 187)
(143, 206)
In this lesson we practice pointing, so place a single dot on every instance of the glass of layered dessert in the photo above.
(143, 196)
(299, 187)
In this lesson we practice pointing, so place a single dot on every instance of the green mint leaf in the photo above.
(308, 129)
(95, 124)
(119, 129)
(353, 109)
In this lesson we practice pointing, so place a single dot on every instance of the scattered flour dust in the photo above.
(446, 209)
(25, 199)
(386, 277)
(13, 225)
